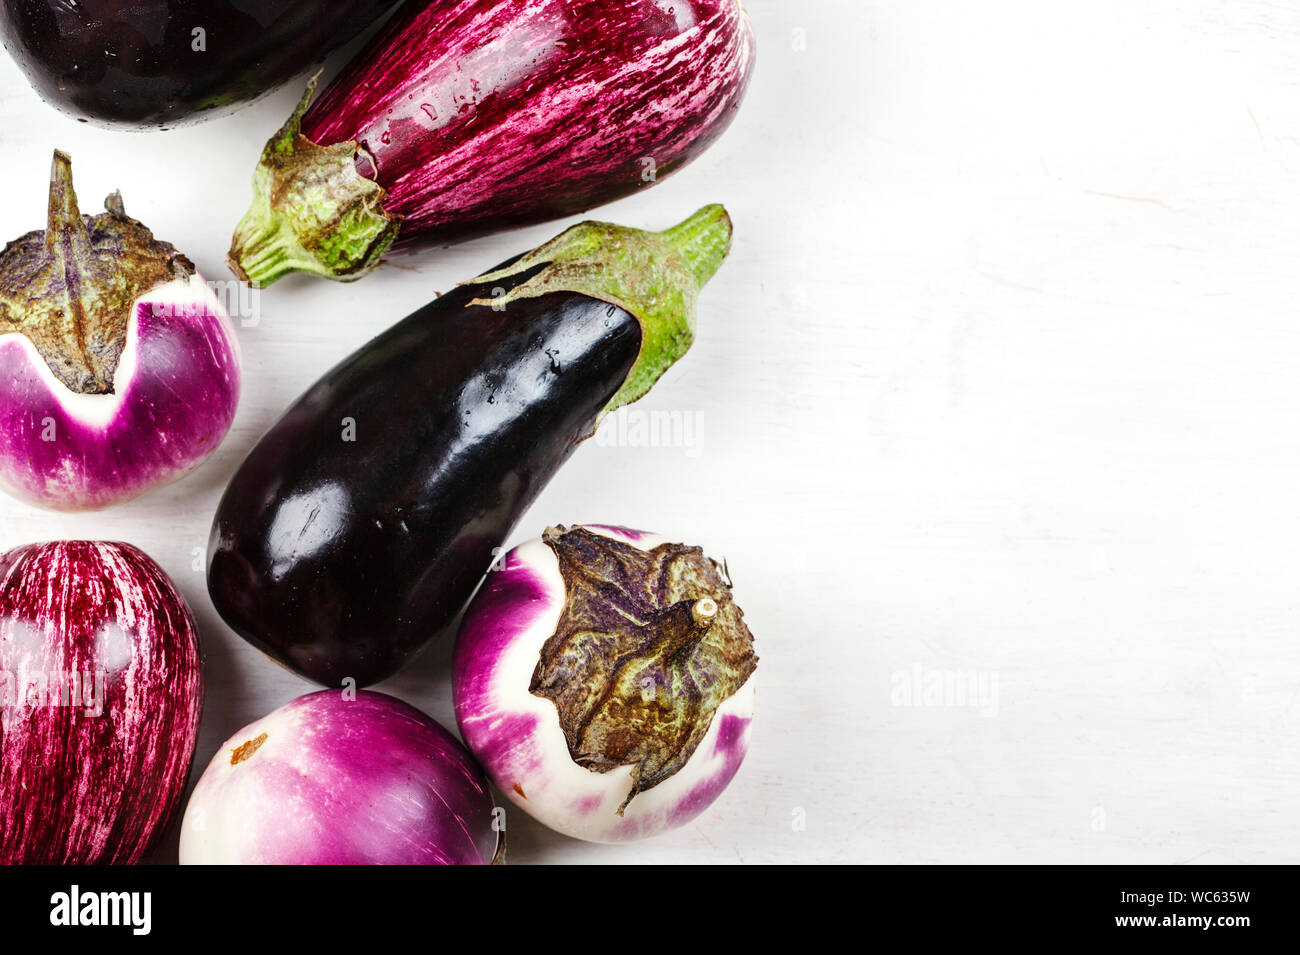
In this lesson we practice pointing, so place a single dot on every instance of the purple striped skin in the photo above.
(79, 788)
(340, 781)
(176, 389)
(517, 737)
(486, 114)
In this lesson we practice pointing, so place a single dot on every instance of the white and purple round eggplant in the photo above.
(341, 778)
(604, 678)
(119, 367)
(100, 697)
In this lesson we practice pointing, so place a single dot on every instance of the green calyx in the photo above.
(312, 211)
(655, 276)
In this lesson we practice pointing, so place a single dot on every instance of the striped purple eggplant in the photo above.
(334, 778)
(604, 678)
(100, 697)
(119, 367)
(463, 117)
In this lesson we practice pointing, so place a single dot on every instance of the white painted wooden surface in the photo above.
(1000, 381)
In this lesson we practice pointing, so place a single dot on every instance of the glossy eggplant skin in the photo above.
(466, 117)
(469, 113)
(342, 558)
(142, 62)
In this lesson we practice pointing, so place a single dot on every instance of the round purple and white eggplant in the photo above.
(100, 697)
(604, 678)
(119, 367)
(342, 778)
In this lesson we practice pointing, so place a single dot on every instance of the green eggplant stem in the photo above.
(655, 276)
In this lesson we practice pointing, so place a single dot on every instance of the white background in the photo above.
(1000, 379)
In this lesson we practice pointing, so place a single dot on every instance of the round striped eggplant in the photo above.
(335, 779)
(362, 521)
(604, 678)
(464, 117)
(119, 368)
(100, 697)
(156, 62)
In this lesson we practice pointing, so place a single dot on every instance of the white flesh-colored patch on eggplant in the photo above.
(100, 410)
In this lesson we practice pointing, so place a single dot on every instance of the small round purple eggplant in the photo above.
(333, 779)
(119, 367)
(604, 678)
(100, 697)
(464, 117)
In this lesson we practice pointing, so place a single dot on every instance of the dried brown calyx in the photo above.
(648, 646)
(70, 288)
(246, 749)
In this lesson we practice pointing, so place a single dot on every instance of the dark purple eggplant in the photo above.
(363, 520)
(463, 117)
(159, 62)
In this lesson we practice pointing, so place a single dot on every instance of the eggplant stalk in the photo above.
(311, 212)
(656, 276)
(70, 288)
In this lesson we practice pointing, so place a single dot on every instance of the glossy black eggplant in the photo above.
(159, 62)
(362, 522)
